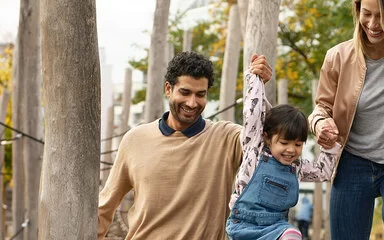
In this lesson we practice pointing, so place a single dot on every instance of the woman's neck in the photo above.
(376, 52)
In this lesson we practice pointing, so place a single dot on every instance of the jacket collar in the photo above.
(191, 131)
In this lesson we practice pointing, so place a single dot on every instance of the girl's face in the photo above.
(285, 151)
(370, 22)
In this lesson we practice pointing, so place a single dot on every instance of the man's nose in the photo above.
(191, 102)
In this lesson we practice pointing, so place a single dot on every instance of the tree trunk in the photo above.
(71, 91)
(126, 102)
(107, 156)
(18, 118)
(4, 99)
(282, 91)
(317, 218)
(230, 66)
(327, 231)
(29, 58)
(156, 62)
(261, 37)
(187, 40)
(243, 10)
(318, 192)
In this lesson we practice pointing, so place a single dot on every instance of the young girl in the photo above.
(267, 186)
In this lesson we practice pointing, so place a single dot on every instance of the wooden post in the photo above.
(187, 40)
(107, 157)
(327, 230)
(317, 218)
(4, 99)
(282, 91)
(230, 66)
(126, 102)
(30, 70)
(156, 62)
(18, 118)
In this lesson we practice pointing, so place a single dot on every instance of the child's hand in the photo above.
(259, 66)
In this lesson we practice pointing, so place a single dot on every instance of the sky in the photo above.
(122, 27)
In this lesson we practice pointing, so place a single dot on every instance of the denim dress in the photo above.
(261, 211)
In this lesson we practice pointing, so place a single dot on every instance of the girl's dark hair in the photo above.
(189, 64)
(287, 121)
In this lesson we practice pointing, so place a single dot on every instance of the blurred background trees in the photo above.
(304, 36)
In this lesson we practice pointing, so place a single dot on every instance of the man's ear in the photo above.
(167, 89)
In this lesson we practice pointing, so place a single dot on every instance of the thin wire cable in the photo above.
(23, 225)
(108, 152)
(105, 169)
(115, 136)
(106, 163)
(226, 108)
(24, 134)
(10, 140)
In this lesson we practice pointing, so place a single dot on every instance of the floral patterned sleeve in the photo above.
(321, 169)
(255, 105)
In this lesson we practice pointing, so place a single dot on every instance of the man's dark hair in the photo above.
(189, 64)
(287, 121)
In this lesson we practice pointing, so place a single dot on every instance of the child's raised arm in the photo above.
(252, 135)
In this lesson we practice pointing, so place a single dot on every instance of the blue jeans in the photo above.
(358, 182)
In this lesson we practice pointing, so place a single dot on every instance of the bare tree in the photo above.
(282, 91)
(187, 40)
(126, 102)
(156, 62)
(243, 10)
(317, 218)
(71, 93)
(230, 66)
(4, 99)
(29, 72)
(106, 158)
(261, 37)
(18, 118)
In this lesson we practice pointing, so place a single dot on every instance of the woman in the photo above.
(350, 98)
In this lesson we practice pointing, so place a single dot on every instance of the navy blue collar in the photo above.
(166, 130)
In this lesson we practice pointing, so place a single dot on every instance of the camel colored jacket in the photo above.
(341, 82)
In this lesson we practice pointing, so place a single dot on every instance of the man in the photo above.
(181, 166)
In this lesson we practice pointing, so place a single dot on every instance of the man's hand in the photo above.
(326, 132)
(259, 66)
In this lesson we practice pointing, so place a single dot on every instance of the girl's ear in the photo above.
(267, 140)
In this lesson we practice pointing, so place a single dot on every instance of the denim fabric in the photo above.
(358, 182)
(261, 211)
